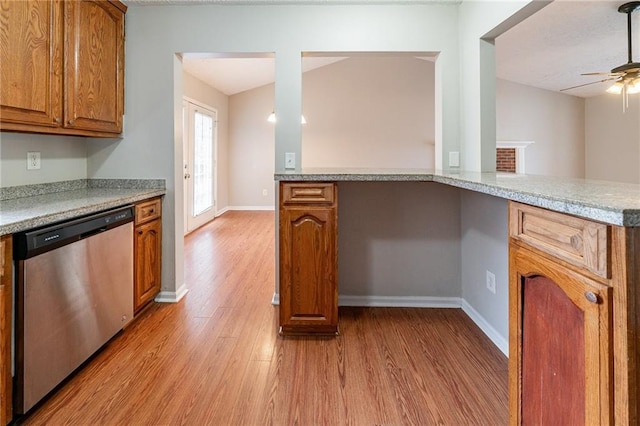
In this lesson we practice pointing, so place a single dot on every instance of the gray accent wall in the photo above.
(61, 157)
(398, 239)
(484, 246)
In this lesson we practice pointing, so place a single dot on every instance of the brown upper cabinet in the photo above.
(63, 67)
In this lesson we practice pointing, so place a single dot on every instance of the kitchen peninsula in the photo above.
(572, 272)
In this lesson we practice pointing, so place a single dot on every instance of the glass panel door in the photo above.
(200, 165)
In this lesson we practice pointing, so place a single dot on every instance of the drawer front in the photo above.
(581, 242)
(148, 210)
(307, 193)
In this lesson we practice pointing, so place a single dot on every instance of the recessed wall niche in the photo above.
(368, 109)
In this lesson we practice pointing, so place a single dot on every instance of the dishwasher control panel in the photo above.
(30, 243)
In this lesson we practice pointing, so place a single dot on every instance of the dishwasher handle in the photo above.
(92, 233)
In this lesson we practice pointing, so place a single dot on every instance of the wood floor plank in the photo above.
(215, 358)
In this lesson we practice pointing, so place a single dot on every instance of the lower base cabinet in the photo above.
(147, 252)
(561, 349)
(566, 299)
(308, 258)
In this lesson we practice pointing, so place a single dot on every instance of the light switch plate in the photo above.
(33, 160)
(289, 160)
(454, 159)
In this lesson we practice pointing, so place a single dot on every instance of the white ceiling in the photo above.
(553, 47)
(549, 50)
(235, 75)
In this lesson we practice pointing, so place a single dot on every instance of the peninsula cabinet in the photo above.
(6, 304)
(308, 258)
(63, 67)
(147, 252)
(573, 318)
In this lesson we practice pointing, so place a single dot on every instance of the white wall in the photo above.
(365, 111)
(252, 149)
(484, 247)
(613, 139)
(155, 33)
(202, 92)
(62, 158)
(554, 121)
(369, 111)
(398, 239)
(479, 23)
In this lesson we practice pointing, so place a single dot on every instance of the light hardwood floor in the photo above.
(215, 358)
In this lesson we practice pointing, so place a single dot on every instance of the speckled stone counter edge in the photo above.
(602, 213)
(119, 192)
(22, 191)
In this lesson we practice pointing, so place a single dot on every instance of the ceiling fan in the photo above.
(626, 77)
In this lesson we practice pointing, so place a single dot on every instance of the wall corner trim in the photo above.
(172, 296)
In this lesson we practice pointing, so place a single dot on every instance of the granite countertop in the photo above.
(32, 206)
(608, 202)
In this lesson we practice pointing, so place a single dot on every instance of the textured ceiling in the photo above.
(553, 47)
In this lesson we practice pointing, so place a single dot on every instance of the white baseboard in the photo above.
(423, 302)
(172, 296)
(492, 334)
(391, 301)
(222, 211)
(399, 301)
(256, 208)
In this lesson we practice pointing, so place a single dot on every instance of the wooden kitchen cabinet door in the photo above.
(560, 343)
(148, 264)
(308, 262)
(31, 57)
(94, 66)
(62, 66)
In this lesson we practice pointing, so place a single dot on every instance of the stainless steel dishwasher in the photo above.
(74, 292)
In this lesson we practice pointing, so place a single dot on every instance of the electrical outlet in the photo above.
(264, 193)
(491, 282)
(289, 160)
(33, 160)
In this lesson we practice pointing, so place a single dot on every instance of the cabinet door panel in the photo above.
(561, 341)
(94, 66)
(308, 299)
(31, 51)
(553, 361)
(148, 247)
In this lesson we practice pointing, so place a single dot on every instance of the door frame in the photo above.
(186, 100)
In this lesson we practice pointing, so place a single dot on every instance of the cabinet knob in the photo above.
(58, 120)
(591, 296)
(71, 122)
(139, 232)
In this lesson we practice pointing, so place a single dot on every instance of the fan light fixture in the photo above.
(272, 118)
(626, 78)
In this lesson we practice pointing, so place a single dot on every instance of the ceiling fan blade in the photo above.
(604, 73)
(589, 84)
